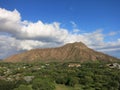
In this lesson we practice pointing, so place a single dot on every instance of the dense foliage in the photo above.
(45, 76)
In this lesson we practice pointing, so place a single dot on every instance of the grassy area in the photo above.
(63, 87)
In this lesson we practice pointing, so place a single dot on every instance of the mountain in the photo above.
(70, 52)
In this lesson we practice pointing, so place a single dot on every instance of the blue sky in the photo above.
(87, 14)
(82, 19)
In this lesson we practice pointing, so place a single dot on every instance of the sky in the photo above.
(30, 24)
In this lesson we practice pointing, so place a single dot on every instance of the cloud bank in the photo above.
(17, 35)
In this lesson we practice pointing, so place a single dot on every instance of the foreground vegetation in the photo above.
(60, 76)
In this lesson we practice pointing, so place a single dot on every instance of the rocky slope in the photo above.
(70, 52)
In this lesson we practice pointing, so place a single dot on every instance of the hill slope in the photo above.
(70, 52)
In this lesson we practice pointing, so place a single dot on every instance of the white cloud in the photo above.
(24, 35)
(8, 46)
(76, 31)
(13, 16)
(74, 25)
(112, 33)
(110, 46)
(9, 21)
(43, 32)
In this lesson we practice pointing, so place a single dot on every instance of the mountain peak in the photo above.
(77, 45)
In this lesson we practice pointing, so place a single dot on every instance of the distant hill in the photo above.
(70, 52)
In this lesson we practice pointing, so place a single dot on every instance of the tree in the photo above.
(61, 79)
(113, 85)
(72, 81)
(24, 87)
(42, 84)
(6, 85)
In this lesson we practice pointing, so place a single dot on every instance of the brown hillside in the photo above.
(70, 52)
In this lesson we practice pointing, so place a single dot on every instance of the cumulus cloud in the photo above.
(8, 46)
(43, 32)
(17, 35)
(9, 21)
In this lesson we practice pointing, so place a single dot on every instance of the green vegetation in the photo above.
(60, 76)
(63, 87)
